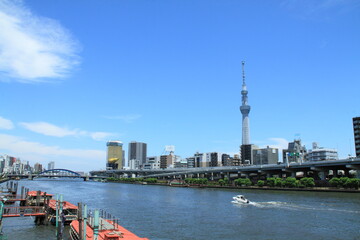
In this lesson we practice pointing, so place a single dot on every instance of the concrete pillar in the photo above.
(322, 175)
(212, 176)
(268, 175)
(358, 174)
(293, 174)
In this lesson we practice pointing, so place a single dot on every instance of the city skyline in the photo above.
(169, 73)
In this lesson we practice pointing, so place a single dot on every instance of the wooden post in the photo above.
(38, 198)
(22, 192)
(80, 221)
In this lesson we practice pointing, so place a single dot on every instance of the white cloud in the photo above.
(6, 124)
(49, 129)
(33, 48)
(280, 143)
(126, 118)
(38, 151)
(99, 136)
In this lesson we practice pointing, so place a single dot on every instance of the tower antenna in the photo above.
(243, 71)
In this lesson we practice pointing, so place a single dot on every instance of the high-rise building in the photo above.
(137, 151)
(114, 155)
(356, 123)
(51, 165)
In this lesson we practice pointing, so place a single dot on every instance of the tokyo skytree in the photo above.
(245, 109)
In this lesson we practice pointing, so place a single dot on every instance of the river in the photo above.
(162, 213)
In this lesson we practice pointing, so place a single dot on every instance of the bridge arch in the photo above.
(59, 170)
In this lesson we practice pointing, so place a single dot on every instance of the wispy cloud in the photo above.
(20, 147)
(126, 118)
(49, 129)
(6, 124)
(33, 48)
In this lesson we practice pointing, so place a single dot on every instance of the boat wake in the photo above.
(295, 207)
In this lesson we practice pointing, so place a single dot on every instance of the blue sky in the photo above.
(75, 74)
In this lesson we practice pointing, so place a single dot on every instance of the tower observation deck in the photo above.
(245, 109)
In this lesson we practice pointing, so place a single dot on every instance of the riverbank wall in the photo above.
(313, 189)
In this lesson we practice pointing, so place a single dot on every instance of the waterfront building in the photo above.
(295, 152)
(200, 159)
(356, 125)
(154, 162)
(266, 155)
(168, 161)
(190, 162)
(51, 165)
(214, 159)
(38, 168)
(134, 164)
(236, 160)
(226, 160)
(181, 164)
(247, 153)
(114, 155)
(321, 154)
(138, 151)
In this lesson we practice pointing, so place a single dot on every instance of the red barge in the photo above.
(108, 230)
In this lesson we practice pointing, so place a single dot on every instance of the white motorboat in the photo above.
(240, 199)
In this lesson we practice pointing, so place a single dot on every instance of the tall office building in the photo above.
(51, 165)
(137, 151)
(356, 123)
(114, 155)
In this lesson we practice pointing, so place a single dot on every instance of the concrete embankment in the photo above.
(314, 189)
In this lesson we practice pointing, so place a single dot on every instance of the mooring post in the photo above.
(22, 192)
(85, 219)
(38, 198)
(57, 215)
(60, 224)
(80, 221)
(96, 224)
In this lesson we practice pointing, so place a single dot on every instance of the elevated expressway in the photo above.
(319, 169)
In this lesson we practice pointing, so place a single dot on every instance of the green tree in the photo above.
(335, 182)
(307, 182)
(221, 182)
(260, 183)
(289, 182)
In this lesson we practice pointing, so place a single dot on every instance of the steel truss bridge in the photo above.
(319, 169)
(53, 173)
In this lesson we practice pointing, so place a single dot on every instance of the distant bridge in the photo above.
(54, 173)
(319, 169)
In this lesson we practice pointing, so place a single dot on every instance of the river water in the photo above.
(161, 213)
